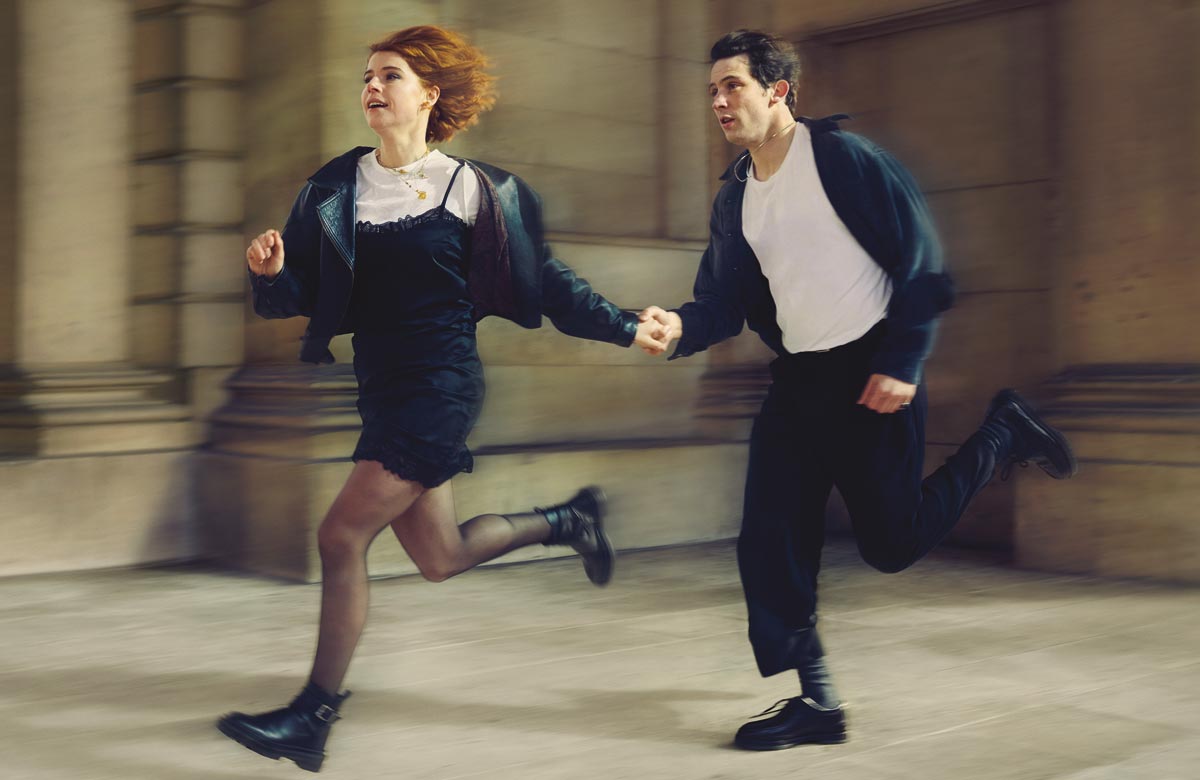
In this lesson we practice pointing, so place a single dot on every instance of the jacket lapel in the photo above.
(337, 220)
(336, 212)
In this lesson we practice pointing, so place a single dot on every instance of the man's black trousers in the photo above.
(811, 435)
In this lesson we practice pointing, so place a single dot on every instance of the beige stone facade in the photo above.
(146, 414)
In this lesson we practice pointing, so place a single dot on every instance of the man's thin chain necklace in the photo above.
(750, 160)
(770, 138)
(404, 175)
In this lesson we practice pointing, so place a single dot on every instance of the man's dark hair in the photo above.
(771, 58)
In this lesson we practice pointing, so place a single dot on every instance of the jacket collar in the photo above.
(336, 212)
(822, 125)
(339, 172)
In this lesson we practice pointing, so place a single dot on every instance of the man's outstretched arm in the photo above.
(714, 314)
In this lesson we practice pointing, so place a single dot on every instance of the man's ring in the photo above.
(904, 405)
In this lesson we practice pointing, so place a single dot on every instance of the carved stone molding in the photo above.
(928, 16)
(1147, 413)
(84, 410)
(289, 412)
(1131, 510)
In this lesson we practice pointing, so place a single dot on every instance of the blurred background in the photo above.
(147, 415)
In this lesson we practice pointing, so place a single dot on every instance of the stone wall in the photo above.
(146, 414)
(1125, 282)
(94, 450)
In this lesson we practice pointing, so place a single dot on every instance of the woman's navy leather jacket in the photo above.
(512, 272)
(878, 201)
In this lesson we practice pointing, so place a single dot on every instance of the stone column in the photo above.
(93, 447)
(1125, 285)
(9, 154)
(73, 176)
(189, 122)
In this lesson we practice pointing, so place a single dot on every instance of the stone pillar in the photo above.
(72, 233)
(188, 299)
(9, 154)
(94, 448)
(1125, 284)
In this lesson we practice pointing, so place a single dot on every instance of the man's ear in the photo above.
(780, 91)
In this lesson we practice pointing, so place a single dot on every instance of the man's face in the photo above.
(741, 104)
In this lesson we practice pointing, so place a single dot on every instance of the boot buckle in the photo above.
(326, 713)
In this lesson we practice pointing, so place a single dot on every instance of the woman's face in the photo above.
(392, 94)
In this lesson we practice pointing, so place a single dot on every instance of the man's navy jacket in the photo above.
(880, 204)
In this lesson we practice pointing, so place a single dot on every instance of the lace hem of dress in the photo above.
(408, 466)
(405, 223)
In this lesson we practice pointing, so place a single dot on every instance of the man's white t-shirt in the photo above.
(827, 289)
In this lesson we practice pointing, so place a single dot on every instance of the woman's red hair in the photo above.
(443, 58)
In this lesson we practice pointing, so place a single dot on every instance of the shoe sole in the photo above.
(305, 760)
(1068, 467)
(816, 739)
(599, 567)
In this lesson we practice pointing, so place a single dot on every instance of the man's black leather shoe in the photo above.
(580, 524)
(1033, 440)
(800, 721)
(297, 731)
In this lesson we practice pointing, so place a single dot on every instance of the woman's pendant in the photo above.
(421, 194)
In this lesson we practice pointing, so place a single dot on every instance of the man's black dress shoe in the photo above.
(800, 721)
(1033, 440)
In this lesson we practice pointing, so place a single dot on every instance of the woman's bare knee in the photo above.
(337, 539)
(371, 498)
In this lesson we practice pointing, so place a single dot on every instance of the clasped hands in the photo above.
(657, 328)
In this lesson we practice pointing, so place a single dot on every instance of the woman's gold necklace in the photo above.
(405, 176)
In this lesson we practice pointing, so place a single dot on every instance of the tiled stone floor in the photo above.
(954, 670)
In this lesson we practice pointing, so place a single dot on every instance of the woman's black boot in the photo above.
(580, 524)
(298, 731)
